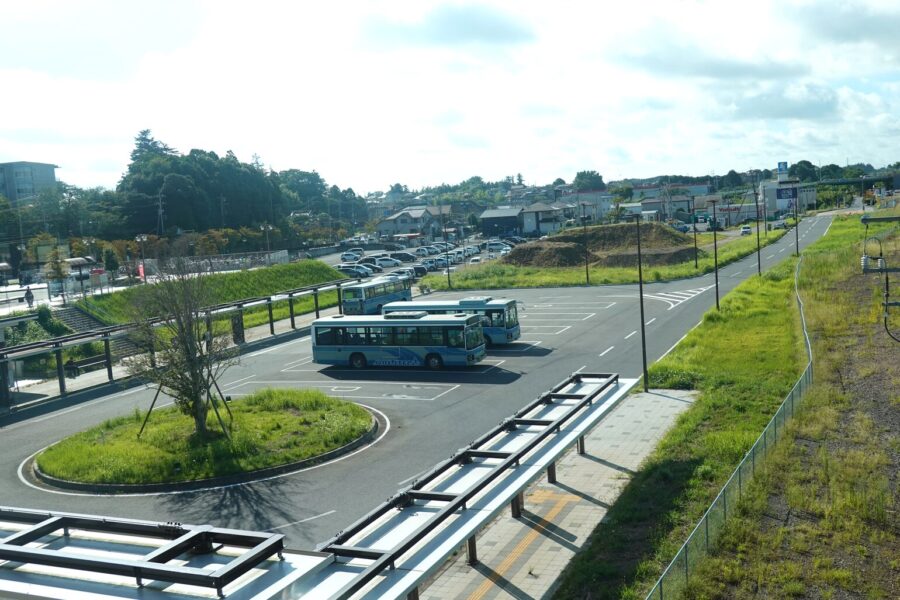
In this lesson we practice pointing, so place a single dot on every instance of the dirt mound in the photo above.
(547, 253)
(608, 245)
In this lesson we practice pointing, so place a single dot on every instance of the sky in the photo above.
(372, 93)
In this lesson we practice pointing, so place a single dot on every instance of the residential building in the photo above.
(541, 219)
(418, 220)
(20, 180)
(496, 222)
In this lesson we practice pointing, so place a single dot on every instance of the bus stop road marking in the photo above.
(425, 392)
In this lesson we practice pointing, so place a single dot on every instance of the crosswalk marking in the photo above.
(673, 299)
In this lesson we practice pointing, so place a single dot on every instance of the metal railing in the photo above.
(704, 535)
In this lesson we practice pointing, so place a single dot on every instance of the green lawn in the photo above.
(271, 427)
(118, 307)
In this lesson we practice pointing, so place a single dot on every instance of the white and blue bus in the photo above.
(401, 339)
(501, 324)
(368, 297)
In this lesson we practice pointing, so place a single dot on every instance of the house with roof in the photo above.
(419, 220)
(502, 221)
(541, 219)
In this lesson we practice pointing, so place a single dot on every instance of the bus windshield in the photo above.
(474, 337)
(512, 316)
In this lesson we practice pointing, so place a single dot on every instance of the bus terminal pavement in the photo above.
(523, 557)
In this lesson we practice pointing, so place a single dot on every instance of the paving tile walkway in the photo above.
(522, 558)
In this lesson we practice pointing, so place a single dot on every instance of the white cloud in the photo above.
(422, 93)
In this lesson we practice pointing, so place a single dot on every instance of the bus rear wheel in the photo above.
(434, 362)
(357, 361)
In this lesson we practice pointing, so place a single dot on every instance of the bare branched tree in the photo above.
(182, 354)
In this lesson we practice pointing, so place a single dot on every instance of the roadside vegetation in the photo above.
(742, 360)
(270, 427)
(118, 307)
(501, 275)
(821, 522)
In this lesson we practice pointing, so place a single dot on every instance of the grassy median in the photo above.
(271, 427)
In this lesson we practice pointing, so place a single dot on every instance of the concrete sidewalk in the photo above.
(522, 558)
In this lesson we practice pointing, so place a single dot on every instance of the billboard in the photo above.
(786, 193)
(783, 167)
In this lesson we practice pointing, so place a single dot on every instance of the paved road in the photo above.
(431, 413)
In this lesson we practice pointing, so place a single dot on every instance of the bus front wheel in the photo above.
(357, 361)
(434, 362)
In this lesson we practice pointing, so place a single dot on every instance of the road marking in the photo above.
(276, 347)
(530, 346)
(581, 368)
(306, 520)
(771, 256)
(673, 345)
(589, 316)
(562, 329)
(605, 351)
(736, 274)
(303, 360)
(650, 321)
(782, 250)
(74, 408)
(630, 334)
(387, 428)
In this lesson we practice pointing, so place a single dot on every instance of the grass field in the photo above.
(500, 276)
(271, 427)
(118, 307)
(743, 360)
(821, 522)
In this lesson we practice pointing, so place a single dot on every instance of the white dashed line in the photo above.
(307, 519)
(605, 351)
(650, 321)
(630, 334)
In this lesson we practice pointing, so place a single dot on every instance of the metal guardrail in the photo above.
(704, 535)
(391, 550)
(155, 564)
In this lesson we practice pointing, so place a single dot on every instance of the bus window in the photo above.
(474, 337)
(356, 336)
(431, 336)
(405, 336)
(512, 316)
(353, 294)
(496, 317)
(380, 336)
(329, 336)
(455, 337)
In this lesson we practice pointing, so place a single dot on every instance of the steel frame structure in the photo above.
(182, 539)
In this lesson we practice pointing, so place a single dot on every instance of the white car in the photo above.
(475, 260)
(349, 257)
(385, 261)
(745, 230)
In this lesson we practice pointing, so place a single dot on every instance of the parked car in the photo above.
(353, 271)
(403, 256)
(428, 263)
(350, 257)
(419, 270)
(745, 230)
(779, 225)
(357, 251)
(475, 260)
(370, 264)
(385, 261)
(421, 252)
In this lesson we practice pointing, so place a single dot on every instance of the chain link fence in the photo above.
(706, 532)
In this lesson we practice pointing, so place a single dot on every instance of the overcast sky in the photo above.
(421, 93)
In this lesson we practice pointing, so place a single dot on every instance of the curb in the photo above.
(212, 482)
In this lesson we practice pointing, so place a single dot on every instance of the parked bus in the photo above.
(401, 339)
(501, 324)
(368, 297)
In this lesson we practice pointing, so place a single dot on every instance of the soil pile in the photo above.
(608, 245)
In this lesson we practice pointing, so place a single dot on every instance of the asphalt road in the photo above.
(431, 414)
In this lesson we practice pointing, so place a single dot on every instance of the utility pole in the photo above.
(587, 272)
(758, 246)
(715, 250)
(160, 215)
(222, 211)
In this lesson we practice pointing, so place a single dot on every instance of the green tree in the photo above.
(110, 261)
(588, 181)
(56, 269)
(559, 181)
(519, 179)
(732, 179)
(804, 171)
(187, 355)
(831, 171)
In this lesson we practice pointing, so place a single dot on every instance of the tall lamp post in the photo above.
(758, 246)
(140, 239)
(694, 227)
(266, 228)
(715, 250)
(797, 222)
(637, 220)
(587, 272)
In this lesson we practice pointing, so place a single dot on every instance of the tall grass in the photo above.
(271, 427)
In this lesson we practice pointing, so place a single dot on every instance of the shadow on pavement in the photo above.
(491, 375)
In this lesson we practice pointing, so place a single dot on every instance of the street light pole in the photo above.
(797, 222)
(758, 245)
(637, 221)
(140, 240)
(694, 227)
(587, 273)
(266, 228)
(715, 250)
